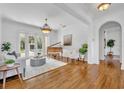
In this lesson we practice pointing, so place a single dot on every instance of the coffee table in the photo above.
(35, 62)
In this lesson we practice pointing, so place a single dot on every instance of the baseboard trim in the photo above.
(122, 65)
(93, 63)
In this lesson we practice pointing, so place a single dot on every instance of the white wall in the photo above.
(0, 27)
(53, 37)
(91, 45)
(118, 17)
(79, 36)
(101, 43)
(0, 31)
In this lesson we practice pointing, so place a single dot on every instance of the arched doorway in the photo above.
(110, 30)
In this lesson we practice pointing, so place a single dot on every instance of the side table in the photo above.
(4, 69)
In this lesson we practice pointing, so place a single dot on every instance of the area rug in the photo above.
(34, 71)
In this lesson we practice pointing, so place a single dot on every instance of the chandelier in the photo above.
(46, 28)
(103, 6)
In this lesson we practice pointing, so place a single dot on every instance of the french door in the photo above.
(30, 45)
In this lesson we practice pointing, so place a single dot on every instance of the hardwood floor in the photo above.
(79, 76)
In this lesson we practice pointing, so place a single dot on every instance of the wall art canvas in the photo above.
(68, 40)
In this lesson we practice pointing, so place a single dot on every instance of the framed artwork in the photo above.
(68, 40)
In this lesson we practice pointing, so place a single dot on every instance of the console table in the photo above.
(4, 69)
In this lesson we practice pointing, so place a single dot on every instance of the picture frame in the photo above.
(67, 40)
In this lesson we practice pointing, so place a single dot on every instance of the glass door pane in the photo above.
(31, 46)
(22, 45)
(39, 45)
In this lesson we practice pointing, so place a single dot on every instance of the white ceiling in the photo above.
(67, 14)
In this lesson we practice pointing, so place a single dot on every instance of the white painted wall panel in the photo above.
(79, 36)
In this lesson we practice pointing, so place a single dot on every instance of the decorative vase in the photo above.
(110, 53)
(10, 65)
(82, 56)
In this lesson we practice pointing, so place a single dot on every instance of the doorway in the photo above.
(110, 30)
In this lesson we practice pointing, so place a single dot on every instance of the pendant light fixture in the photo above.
(46, 28)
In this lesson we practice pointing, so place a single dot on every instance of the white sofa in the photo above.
(20, 60)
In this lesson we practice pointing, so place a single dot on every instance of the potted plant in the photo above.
(110, 44)
(83, 50)
(6, 47)
(9, 62)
